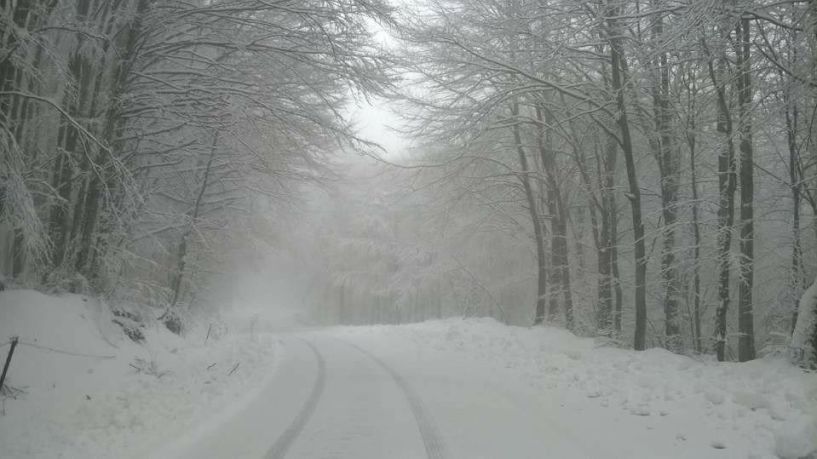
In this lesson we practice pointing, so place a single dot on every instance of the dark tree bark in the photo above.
(610, 220)
(619, 293)
(746, 338)
(15, 110)
(726, 193)
(538, 233)
(600, 221)
(58, 221)
(668, 157)
(73, 148)
(619, 74)
(127, 46)
(696, 227)
(797, 266)
(558, 215)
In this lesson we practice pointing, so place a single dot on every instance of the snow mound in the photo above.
(87, 390)
(62, 339)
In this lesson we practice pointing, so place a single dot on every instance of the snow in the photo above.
(477, 388)
(806, 321)
(630, 404)
(81, 406)
(346, 407)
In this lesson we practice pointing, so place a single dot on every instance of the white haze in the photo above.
(588, 230)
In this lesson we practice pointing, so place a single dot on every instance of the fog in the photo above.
(433, 229)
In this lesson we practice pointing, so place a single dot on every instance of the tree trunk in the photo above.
(90, 212)
(16, 111)
(78, 105)
(619, 77)
(696, 239)
(600, 222)
(558, 214)
(619, 293)
(524, 177)
(127, 46)
(669, 167)
(746, 338)
(59, 216)
(726, 199)
(604, 313)
(181, 263)
(797, 268)
(18, 254)
(613, 322)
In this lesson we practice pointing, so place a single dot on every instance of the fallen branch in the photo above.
(233, 370)
(208, 334)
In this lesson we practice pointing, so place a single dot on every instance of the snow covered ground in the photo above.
(607, 402)
(446, 389)
(117, 399)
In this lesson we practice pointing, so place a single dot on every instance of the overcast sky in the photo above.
(375, 122)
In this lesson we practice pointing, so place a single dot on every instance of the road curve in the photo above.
(364, 413)
(326, 400)
(251, 430)
(282, 445)
(428, 430)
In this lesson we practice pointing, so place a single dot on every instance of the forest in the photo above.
(641, 171)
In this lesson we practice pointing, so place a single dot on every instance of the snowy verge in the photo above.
(638, 403)
(89, 391)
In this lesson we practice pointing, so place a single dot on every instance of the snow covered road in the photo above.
(327, 399)
(471, 389)
(331, 398)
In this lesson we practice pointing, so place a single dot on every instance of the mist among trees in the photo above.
(639, 170)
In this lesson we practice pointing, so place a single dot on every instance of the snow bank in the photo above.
(89, 391)
(691, 408)
(804, 327)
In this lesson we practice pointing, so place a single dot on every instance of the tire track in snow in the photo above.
(428, 430)
(284, 442)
